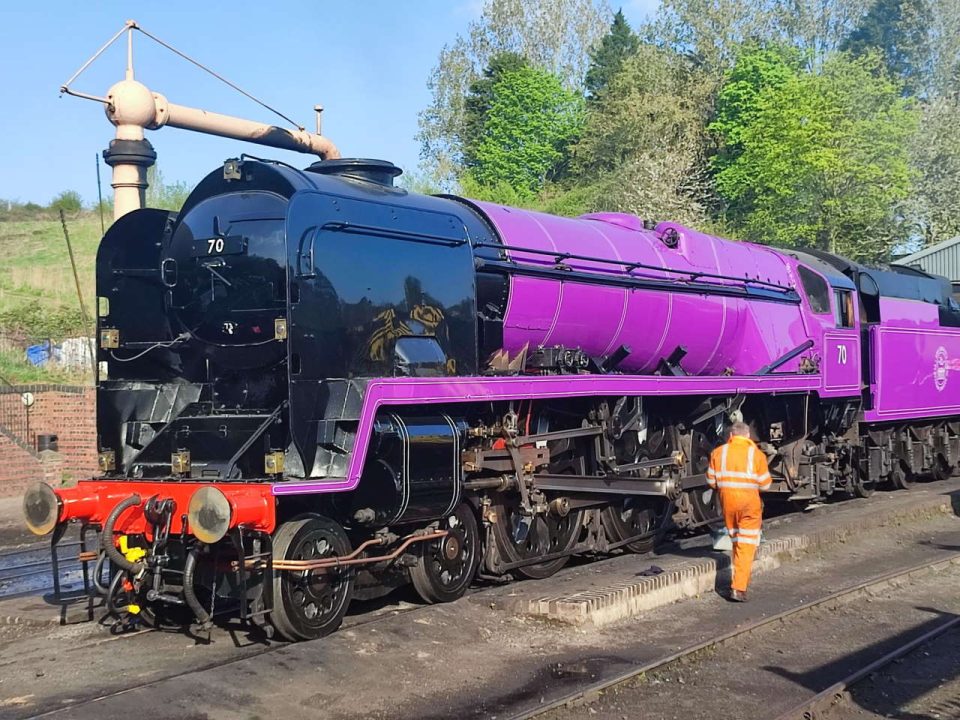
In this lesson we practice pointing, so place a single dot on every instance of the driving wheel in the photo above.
(522, 538)
(308, 604)
(445, 567)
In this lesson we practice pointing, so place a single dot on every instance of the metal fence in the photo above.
(15, 408)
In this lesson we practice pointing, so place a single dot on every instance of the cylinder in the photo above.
(417, 474)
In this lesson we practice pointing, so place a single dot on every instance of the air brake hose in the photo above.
(189, 569)
(116, 557)
(98, 572)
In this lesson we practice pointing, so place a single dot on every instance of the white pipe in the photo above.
(188, 118)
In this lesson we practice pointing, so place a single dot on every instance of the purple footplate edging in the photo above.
(423, 391)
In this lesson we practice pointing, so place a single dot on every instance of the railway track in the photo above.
(271, 645)
(834, 699)
(811, 708)
(29, 571)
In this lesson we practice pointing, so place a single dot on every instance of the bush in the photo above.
(69, 201)
(34, 320)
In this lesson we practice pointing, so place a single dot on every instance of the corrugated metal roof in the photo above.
(940, 259)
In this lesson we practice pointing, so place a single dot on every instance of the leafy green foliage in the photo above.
(642, 148)
(162, 194)
(756, 71)
(530, 121)
(35, 321)
(69, 201)
(935, 153)
(555, 35)
(897, 29)
(607, 59)
(824, 162)
(481, 96)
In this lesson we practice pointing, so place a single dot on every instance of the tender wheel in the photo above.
(862, 486)
(546, 534)
(941, 468)
(634, 516)
(446, 567)
(901, 477)
(310, 604)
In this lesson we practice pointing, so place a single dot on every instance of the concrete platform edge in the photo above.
(692, 578)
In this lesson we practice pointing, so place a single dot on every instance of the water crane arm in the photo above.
(188, 118)
(133, 108)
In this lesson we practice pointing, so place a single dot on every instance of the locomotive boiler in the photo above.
(314, 385)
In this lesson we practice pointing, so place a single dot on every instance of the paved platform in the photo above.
(691, 571)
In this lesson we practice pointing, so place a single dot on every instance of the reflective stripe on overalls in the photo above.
(739, 472)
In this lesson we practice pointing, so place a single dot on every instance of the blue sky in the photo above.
(366, 62)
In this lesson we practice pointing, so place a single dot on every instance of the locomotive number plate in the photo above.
(224, 245)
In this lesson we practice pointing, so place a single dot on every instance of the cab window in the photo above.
(816, 290)
(843, 308)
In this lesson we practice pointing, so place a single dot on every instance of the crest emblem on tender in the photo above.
(940, 368)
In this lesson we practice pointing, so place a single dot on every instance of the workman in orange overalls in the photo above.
(738, 470)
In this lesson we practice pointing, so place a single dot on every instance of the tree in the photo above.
(898, 30)
(757, 70)
(69, 201)
(944, 41)
(556, 35)
(935, 203)
(641, 149)
(480, 98)
(163, 195)
(824, 162)
(818, 28)
(712, 32)
(530, 120)
(607, 59)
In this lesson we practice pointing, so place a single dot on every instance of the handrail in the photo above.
(630, 266)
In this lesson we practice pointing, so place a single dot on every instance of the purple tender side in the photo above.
(913, 364)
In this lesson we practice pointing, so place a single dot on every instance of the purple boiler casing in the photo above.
(720, 333)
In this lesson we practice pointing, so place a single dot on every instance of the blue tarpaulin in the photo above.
(38, 354)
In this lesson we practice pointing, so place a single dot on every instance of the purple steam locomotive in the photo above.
(315, 386)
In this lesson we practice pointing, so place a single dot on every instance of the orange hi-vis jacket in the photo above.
(738, 465)
(738, 470)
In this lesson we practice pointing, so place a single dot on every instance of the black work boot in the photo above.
(738, 596)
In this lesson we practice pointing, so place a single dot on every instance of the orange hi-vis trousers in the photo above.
(738, 470)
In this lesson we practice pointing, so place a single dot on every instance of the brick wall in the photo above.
(62, 410)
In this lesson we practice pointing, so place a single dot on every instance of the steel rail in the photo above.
(738, 632)
(36, 547)
(820, 705)
(18, 566)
